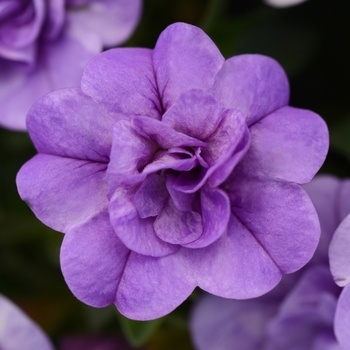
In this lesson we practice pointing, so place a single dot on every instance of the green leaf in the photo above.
(138, 332)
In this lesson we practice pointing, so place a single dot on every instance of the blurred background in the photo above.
(311, 41)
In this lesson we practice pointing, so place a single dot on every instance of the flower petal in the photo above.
(130, 152)
(184, 58)
(217, 323)
(342, 319)
(195, 114)
(112, 20)
(226, 147)
(152, 287)
(18, 331)
(279, 215)
(339, 253)
(178, 227)
(93, 260)
(60, 64)
(151, 196)
(325, 192)
(136, 233)
(256, 85)
(123, 79)
(63, 192)
(163, 134)
(289, 144)
(215, 209)
(24, 29)
(70, 124)
(306, 313)
(235, 266)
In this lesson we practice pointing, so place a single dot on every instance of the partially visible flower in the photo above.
(303, 312)
(302, 320)
(18, 331)
(45, 44)
(339, 258)
(283, 3)
(93, 342)
(173, 168)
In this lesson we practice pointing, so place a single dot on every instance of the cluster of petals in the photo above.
(45, 44)
(174, 168)
(307, 310)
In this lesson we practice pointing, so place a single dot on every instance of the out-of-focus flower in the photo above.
(283, 3)
(18, 331)
(339, 259)
(173, 168)
(93, 342)
(45, 44)
(301, 313)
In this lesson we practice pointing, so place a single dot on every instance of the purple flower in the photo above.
(173, 168)
(18, 331)
(45, 44)
(93, 342)
(304, 311)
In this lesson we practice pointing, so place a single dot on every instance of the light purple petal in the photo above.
(254, 84)
(184, 58)
(136, 233)
(342, 319)
(163, 134)
(227, 146)
(164, 160)
(152, 287)
(182, 201)
(289, 144)
(325, 340)
(93, 260)
(216, 211)
(325, 192)
(235, 266)
(63, 192)
(56, 15)
(130, 153)
(279, 215)
(18, 331)
(123, 79)
(178, 227)
(112, 20)
(59, 65)
(195, 114)
(220, 324)
(151, 196)
(306, 313)
(23, 29)
(339, 253)
(70, 124)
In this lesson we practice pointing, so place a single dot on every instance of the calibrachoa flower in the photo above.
(45, 44)
(304, 312)
(18, 331)
(339, 259)
(173, 168)
(283, 3)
